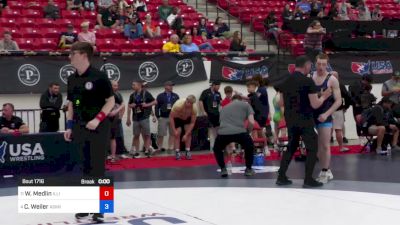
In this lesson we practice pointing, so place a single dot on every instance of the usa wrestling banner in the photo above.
(228, 71)
(33, 74)
(352, 66)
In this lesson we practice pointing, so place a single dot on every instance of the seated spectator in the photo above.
(376, 13)
(316, 9)
(172, 45)
(271, 24)
(51, 10)
(108, 18)
(287, 14)
(10, 124)
(380, 122)
(74, 5)
(363, 11)
(104, 4)
(343, 10)
(304, 6)
(68, 38)
(3, 5)
(89, 5)
(237, 44)
(200, 40)
(140, 6)
(133, 29)
(122, 4)
(181, 32)
(7, 44)
(164, 10)
(221, 29)
(298, 14)
(187, 44)
(128, 14)
(313, 39)
(174, 20)
(151, 29)
(333, 13)
(85, 35)
(202, 28)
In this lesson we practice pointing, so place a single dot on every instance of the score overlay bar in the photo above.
(83, 195)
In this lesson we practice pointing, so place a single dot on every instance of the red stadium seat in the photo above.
(11, 13)
(106, 45)
(25, 43)
(125, 45)
(70, 14)
(89, 15)
(30, 33)
(31, 13)
(61, 23)
(26, 22)
(45, 44)
(50, 33)
(48, 23)
(15, 5)
(8, 23)
(108, 33)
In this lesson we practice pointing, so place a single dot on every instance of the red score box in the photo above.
(106, 193)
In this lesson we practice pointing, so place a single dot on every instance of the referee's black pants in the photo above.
(92, 147)
(243, 139)
(310, 139)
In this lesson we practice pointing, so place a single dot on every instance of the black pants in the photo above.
(243, 139)
(310, 139)
(49, 125)
(92, 146)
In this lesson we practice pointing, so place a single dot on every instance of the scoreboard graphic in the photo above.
(83, 195)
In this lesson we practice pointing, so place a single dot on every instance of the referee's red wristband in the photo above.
(101, 116)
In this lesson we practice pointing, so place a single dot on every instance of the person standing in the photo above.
(338, 116)
(300, 98)
(165, 102)
(50, 103)
(232, 129)
(210, 101)
(323, 115)
(90, 99)
(115, 117)
(182, 120)
(140, 107)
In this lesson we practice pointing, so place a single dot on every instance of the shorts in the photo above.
(338, 120)
(141, 127)
(115, 127)
(324, 125)
(163, 127)
(180, 123)
(213, 120)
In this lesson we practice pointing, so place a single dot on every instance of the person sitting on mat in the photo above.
(182, 120)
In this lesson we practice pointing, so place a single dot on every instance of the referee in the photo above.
(90, 99)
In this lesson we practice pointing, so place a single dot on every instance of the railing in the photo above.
(31, 118)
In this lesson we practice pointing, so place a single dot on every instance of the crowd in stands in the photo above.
(132, 20)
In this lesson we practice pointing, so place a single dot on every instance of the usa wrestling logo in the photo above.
(232, 74)
(374, 67)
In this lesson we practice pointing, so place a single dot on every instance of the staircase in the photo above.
(260, 44)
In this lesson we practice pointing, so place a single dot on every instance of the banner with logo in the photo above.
(34, 73)
(352, 66)
(227, 71)
(33, 153)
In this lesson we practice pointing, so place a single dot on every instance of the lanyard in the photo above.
(169, 97)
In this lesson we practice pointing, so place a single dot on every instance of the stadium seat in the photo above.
(8, 23)
(31, 13)
(30, 33)
(106, 45)
(108, 33)
(70, 14)
(11, 13)
(25, 43)
(50, 33)
(15, 5)
(44, 22)
(46, 44)
(26, 23)
(63, 22)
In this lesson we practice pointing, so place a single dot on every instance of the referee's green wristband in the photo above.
(70, 124)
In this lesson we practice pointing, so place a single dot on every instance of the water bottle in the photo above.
(368, 148)
(229, 167)
(373, 34)
(389, 150)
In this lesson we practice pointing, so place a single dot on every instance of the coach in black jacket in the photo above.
(50, 103)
